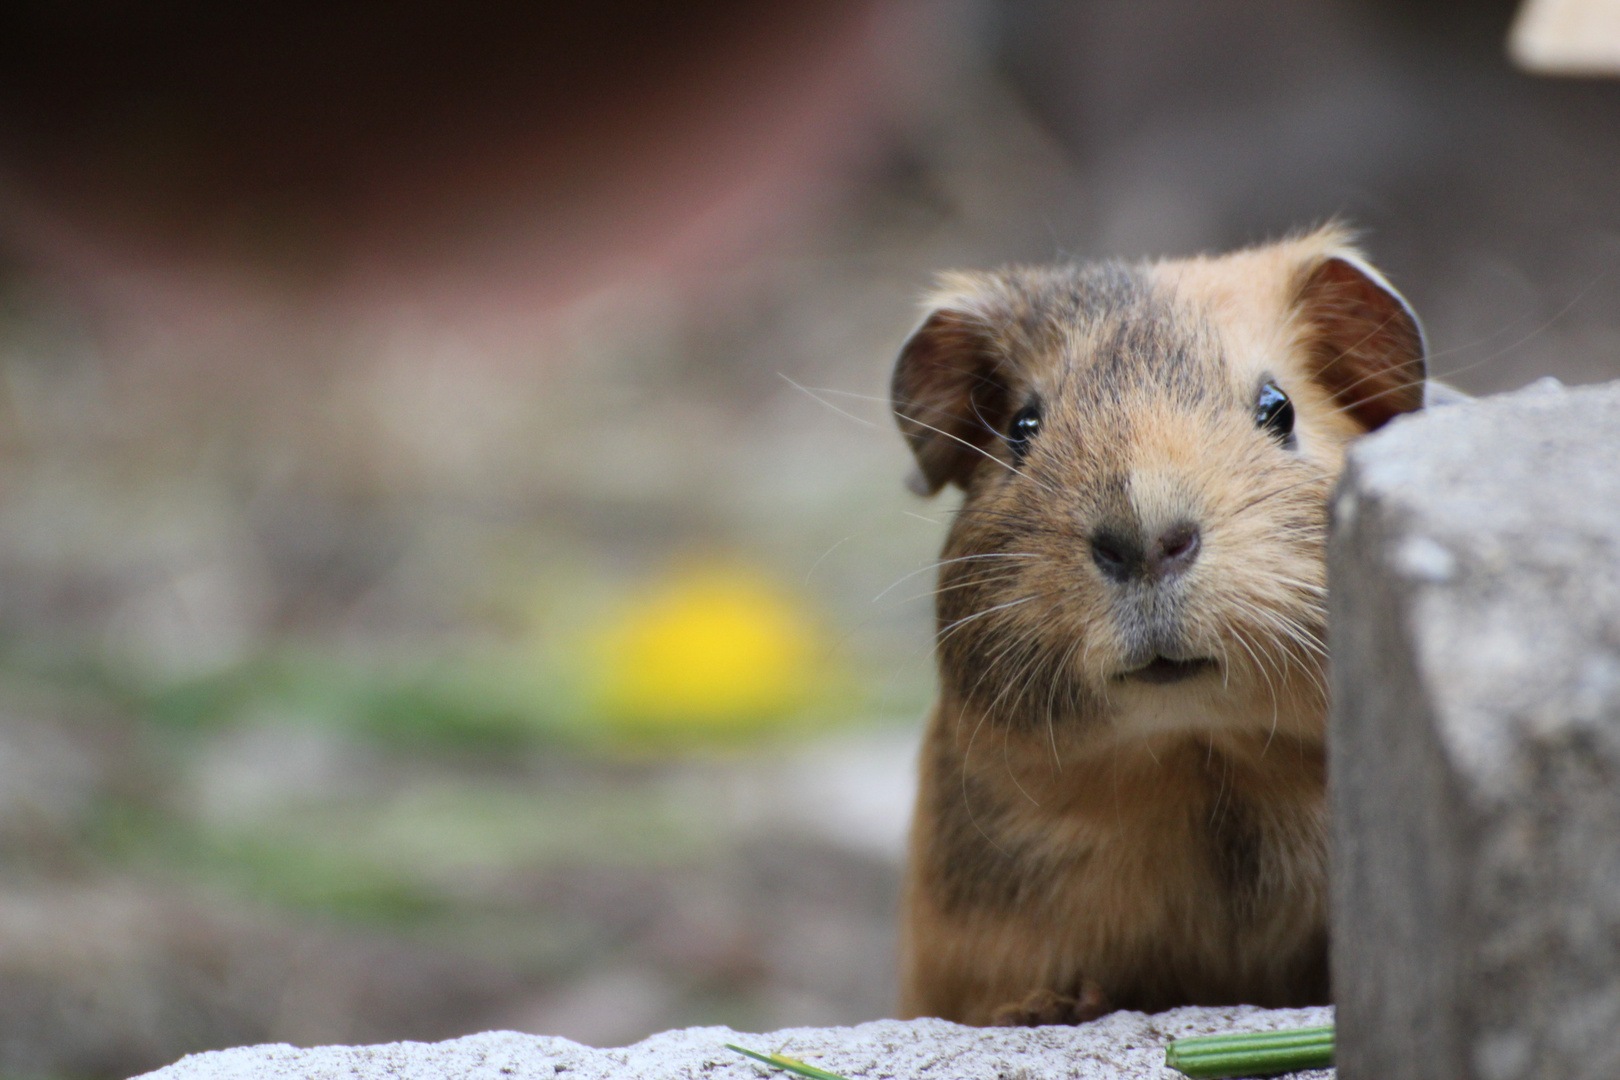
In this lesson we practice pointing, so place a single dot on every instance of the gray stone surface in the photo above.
(1123, 1045)
(1475, 574)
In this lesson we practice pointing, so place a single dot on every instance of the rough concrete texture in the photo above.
(1123, 1045)
(1475, 575)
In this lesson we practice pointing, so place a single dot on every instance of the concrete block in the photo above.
(1475, 746)
(1122, 1046)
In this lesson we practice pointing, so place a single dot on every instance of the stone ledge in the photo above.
(1474, 574)
(1122, 1046)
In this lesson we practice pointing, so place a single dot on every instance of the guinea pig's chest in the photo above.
(1155, 824)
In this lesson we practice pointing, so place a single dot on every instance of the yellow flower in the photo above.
(710, 651)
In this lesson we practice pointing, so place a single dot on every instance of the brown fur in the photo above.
(1085, 838)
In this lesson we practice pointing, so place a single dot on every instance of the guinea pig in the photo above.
(1122, 797)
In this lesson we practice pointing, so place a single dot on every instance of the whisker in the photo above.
(1275, 492)
(959, 623)
(1532, 335)
(1374, 332)
(940, 590)
(1543, 328)
(982, 452)
(967, 803)
(937, 564)
(808, 574)
(846, 393)
(807, 392)
(1006, 761)
(1051, 702)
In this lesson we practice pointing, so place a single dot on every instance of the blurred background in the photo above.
(454, 565)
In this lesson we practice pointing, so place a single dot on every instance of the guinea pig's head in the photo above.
(1146, 453)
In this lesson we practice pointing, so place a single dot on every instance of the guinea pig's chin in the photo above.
(1196, 707)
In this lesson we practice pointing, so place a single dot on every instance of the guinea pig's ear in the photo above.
(946, 392)
(1365, 343)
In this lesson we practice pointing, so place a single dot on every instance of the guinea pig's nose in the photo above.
(1174, 551)
(1118, 555)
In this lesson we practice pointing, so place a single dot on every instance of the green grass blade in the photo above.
(1265, 1053)
(792, 1065)
(1286, 1037)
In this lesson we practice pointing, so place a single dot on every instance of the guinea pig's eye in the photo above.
(1026, 422)
(1275, 413)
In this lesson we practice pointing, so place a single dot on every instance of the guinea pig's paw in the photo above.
(1041, 1007)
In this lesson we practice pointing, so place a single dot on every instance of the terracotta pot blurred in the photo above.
(361, 144)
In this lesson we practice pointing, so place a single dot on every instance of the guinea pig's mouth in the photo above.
(1161, 670)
